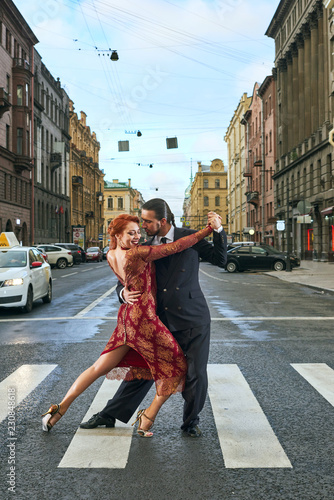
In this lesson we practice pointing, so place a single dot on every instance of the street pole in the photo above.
(288, 229)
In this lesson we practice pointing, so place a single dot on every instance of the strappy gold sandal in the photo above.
(143, 432)
(46, 426)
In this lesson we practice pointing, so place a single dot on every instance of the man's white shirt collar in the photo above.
(169, 237)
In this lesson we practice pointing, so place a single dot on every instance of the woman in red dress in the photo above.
(141, 346)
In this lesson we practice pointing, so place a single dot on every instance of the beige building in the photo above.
(237, 157)
(87, 184)
(208, 193)
(120, 197)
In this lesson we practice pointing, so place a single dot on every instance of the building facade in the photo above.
(52, 157)
(120, 197)
(235, 138)
(260, 165)
(304, 93)
(86, 183)
(208, 193)
(16, 134)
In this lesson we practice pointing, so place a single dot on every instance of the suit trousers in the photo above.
(195, 343)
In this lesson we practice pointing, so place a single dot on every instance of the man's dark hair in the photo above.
(161, 209)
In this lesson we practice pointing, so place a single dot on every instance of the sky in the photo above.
(183, 67)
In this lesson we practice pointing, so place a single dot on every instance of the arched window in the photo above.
(205, 183)
(206, 201)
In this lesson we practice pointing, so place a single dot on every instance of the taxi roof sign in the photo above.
(8, 240)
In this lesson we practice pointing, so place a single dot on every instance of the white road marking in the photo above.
(23, 381)
(213, 277)
(245, 435)
(320, 376)
(71, 274)
(95, 303)
(104, 448)
(80, 316)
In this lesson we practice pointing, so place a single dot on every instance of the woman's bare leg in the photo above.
(152, 411)
(102, 366)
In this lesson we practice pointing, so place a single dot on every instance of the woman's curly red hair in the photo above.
(118, 225)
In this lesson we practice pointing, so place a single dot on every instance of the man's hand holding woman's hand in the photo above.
(214, 220)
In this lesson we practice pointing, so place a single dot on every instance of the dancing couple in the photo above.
(163, 324)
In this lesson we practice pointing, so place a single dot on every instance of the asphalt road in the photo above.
(267, 424)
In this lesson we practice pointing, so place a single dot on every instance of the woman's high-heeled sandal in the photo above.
(142, 432)
(46, 426)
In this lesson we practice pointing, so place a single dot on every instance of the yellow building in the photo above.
(237, 156)
(120, 197)
(208, 193)
(87, 185)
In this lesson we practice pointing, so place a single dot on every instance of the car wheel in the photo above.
(48, 297)
(30, 299)
(61, 263)
(231, 267)
(278, 265)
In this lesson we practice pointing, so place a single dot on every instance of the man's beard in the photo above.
(154, 234)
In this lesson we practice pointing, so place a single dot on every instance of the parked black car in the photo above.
(75, 251)
(259, 257)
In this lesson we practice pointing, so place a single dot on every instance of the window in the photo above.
(206, 201)
(120, 203)
(8, 84)
(19, 141)
(217, 201)
(270, 141)
(27, 95)
(27, 151)
(217, 183)
(110, 203)
(205, 183)
(8, 41)
(19, 93)
(7, 137)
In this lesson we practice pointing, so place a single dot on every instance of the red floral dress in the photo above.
(154, 352)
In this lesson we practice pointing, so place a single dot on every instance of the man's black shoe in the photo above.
(97, 420)
(193, 431)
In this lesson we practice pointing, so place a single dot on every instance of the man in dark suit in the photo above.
(181, 306)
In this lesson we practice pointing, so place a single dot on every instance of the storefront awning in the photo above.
(327, 211)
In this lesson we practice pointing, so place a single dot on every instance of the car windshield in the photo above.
(11, 258)
(93, 249)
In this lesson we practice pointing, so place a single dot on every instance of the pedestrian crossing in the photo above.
(246, 437)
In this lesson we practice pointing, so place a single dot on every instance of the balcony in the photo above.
(21, 64)
(247, 174)
(22, 163)
(253, 197)
(89, 215)
(4, 101)
(99, 195)
(77, 180)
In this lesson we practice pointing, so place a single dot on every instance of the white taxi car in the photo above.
(24, 275)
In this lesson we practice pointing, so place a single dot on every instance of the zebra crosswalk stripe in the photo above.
(102, 447)
(20, 384)
(320, 376)
(246, 437)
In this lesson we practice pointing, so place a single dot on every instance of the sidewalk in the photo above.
(318, 275)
